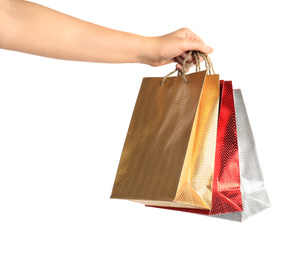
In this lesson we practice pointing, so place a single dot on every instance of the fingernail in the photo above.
(210, 49)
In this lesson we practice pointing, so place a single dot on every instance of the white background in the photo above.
(63, 126)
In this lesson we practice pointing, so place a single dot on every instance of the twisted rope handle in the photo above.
(196, 55)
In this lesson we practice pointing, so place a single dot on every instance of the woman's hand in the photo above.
(173, 47)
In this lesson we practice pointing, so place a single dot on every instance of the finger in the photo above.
(180, 68)
(187, 65)
(189, 59)
(192, 41)
(201, 59)
(197, 45)
(179, 59)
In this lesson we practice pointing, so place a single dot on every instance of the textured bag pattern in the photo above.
(168, 155)
(255, 197)
(157, 139)
(196, 178)
(226, 182)
(226, 195)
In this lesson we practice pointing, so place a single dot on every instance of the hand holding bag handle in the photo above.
(197, 56)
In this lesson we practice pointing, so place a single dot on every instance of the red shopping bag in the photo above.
(226, 193)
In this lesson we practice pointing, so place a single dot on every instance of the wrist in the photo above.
(146, 50)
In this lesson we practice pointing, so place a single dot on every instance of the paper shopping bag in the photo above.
(168, 155)
(226, 193)
(254, 193)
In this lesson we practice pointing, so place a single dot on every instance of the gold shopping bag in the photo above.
(168, 155)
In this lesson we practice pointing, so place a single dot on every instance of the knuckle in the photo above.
(184, 30)
(200, 42)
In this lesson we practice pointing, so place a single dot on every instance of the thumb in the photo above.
(197, 45)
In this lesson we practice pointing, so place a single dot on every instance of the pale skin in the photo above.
(32, 28)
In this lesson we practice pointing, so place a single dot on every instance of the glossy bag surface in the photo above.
(226, 193)
(254, 193)
(170, 135)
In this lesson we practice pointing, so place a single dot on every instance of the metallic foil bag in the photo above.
(226, 193)
(254, 194)
(169, 151)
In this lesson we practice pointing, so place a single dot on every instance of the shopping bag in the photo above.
(254, 193)
(226, 193)
(169, 152)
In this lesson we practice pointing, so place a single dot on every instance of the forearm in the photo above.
(35, 29)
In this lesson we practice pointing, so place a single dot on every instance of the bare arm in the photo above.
(35, 29)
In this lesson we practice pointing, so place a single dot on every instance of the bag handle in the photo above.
(196, 55)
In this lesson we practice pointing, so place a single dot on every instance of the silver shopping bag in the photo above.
(254, 195)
